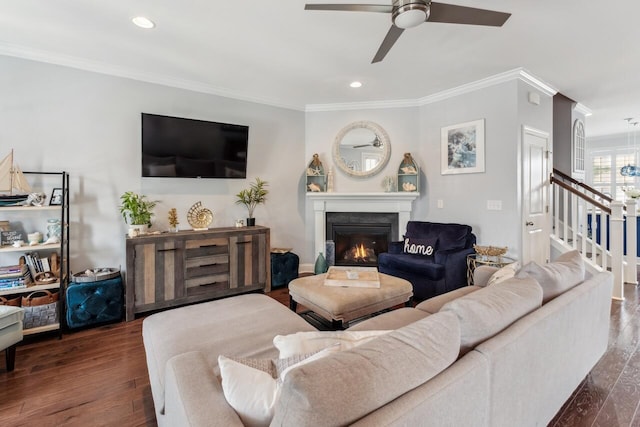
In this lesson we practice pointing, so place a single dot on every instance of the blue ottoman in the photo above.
(284, 268)
(95, 302)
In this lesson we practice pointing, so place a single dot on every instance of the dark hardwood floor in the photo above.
(98, 377)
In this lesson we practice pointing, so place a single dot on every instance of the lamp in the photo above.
(628, 169)
(409, 14)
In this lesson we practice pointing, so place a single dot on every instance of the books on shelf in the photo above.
(14, 277)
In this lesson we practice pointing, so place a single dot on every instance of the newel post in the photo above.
(616, 248)
(630, 269)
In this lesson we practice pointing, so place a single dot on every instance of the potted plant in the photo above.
(136, 211)
(252, 197)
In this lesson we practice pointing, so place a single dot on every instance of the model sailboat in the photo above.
(14, 188)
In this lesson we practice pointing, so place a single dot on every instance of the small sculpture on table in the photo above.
(199, 217)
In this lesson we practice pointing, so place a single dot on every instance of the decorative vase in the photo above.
(321, 265)
(54, 229)
(251, 222)
(331, 252)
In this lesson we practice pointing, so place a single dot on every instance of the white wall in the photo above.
(505, 109)
(321, 128)
(88, 124)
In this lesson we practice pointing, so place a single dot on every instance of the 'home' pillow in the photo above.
(416, 246)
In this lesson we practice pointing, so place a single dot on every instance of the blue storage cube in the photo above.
(95, 302)
(284, 268)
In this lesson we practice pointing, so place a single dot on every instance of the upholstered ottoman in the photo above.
(343, 304)
(284, 268)
(10, 332)
(93, 303)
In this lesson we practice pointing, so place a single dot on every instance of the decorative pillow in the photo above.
(486, 312)
(310, 342)
(341, 389)
(416, 246)
(506, 272)
(556, 277)
(252, 386)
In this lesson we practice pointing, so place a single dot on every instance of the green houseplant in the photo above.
(253, 196)
(136, 210)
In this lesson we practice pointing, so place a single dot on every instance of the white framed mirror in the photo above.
(361, 149)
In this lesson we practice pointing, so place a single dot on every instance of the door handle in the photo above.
(528, 223)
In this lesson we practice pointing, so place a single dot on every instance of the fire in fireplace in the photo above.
(360, 237)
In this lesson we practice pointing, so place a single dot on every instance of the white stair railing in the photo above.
(594, 224)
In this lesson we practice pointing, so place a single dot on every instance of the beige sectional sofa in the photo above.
(477, 356)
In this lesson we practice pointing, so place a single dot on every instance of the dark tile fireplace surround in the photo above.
(360, 236)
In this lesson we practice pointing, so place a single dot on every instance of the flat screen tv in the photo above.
(188, 148)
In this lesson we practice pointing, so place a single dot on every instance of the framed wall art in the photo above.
(462, 148)
(56, 197)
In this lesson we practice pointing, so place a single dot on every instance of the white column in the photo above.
(320, 227)
(630, 269)
(615, 248)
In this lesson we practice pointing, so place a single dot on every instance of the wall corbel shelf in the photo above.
(398, 202)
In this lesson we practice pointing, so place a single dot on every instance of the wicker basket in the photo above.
(490, 251)
(13, 301)
(40, 310)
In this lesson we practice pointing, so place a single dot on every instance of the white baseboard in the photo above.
(306, 268)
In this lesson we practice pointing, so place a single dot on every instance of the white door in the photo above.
(535, 196)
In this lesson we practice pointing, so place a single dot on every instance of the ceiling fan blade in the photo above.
(381, 8)
(388, 42)
(452, 14)
(361, 145)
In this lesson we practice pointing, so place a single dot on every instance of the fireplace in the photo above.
(360, 236)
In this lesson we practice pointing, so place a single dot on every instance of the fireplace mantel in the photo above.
(400, 203)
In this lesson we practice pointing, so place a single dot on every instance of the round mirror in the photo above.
(361, 149)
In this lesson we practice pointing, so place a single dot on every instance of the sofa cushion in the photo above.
(450, 236)
(252, 386)
(486, 312)
(417, 246)
(504, 273)
(434, 304)
(309, 342)
(343, 387)
(556, 277)
(391, 320)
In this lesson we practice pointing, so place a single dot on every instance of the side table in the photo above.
(474, 260)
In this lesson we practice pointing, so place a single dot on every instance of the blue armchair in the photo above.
(432, 256)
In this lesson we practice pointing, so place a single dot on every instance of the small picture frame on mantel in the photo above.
(56, 197)
(462, 148)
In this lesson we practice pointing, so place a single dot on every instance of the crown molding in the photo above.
(582, 109)
(372, 105)
(112, 70)
(515, 74)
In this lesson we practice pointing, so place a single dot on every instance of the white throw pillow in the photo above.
(310, 342)
(252, 386)
(506, 272)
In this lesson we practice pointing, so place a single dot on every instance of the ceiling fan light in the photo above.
(410, 18)
(143, 22)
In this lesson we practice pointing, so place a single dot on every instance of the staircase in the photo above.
(601, 228)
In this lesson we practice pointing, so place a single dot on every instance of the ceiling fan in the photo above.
(376, 143)
(411, 13)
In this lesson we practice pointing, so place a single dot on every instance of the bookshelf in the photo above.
(27, 219)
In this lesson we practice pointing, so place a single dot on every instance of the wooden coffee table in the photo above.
(340, 305)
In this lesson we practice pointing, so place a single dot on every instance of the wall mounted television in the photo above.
(189, 148)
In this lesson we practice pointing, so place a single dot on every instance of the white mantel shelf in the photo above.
(395, 202)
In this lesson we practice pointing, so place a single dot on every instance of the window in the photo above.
(605, 172)
(578, 146)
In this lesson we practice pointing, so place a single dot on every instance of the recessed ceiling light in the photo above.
(143, 22)
(355, 84)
